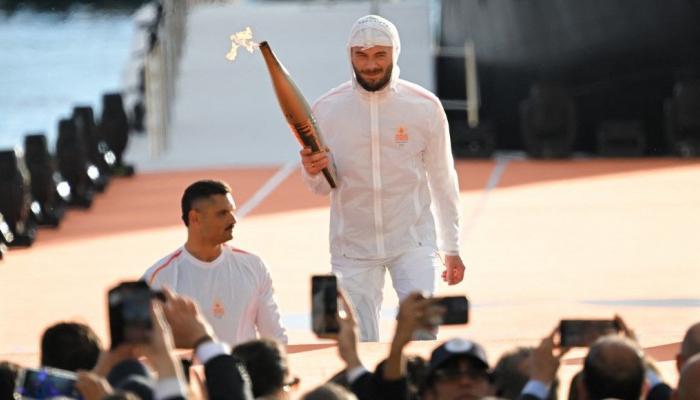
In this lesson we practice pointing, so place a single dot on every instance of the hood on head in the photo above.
(373, 30)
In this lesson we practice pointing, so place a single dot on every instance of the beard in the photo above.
(377, 84)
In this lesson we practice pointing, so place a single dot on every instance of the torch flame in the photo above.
(241, 39)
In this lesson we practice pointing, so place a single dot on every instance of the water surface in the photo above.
(52, 61)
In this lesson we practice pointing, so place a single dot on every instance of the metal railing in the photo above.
(472, 102)
(160, 69)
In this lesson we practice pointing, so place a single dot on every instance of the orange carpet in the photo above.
(542, 241)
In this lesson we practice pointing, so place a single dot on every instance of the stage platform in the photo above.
(541, 240)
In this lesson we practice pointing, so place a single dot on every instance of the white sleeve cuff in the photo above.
(207, 351)
(652, 378)
(169, 387)
(355, 373)
(314, 179)
(535, 388)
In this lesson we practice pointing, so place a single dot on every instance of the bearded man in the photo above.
(232, 287)
(389, 144)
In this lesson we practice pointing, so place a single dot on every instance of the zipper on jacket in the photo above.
(376, 173)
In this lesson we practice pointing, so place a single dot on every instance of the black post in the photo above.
(15, 198)
(114, 126)
(45, 180)
(72, 162)
(98, 152)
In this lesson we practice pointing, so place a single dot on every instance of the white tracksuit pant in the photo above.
(363, 280)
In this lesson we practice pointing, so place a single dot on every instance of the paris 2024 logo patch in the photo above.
(218, 308)
(401, 136)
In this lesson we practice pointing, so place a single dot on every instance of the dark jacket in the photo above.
(373, 386)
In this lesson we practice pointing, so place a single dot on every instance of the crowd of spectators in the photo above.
(185, 359)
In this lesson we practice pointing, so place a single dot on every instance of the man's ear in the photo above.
(193, 216)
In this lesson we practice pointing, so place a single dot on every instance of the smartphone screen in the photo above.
(130, 313)
(46, 383)
(583, 332)
(456, 310)
(324, 304)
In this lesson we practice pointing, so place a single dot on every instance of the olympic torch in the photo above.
(294, 107)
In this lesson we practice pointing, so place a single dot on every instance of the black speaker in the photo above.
(114, 127)
(15, 198)
(73, 163)
(98, 153)
(682, 114)
(6, 236)
(621, 138)
(97, 150)
(468, 142)
(46, 182)
(548, 121)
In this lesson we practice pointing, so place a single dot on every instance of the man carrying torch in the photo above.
(390, 149)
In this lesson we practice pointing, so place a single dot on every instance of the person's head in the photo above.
(690, 345)
(613, 368)
(512, 371)
(458, 368)
(70, 346)
(266, 363)
(208, 211)
(374, 47)
(8, 377)
(329, 391)
(689, 382)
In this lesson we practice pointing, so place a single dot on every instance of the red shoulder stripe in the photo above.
(236, 250)
(165, 264)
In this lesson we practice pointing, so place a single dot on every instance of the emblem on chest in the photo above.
(218, 308)
(401, 136)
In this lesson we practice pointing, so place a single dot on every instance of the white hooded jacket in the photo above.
(391, 152)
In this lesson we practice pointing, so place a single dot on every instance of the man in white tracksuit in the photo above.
(232, 287)
(390, 147)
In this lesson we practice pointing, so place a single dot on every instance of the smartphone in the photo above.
(130, 312)
(456, 311)
(45, 383)
(324, 304)
(583, 332)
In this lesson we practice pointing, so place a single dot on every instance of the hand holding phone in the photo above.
(45, 383)
(92, 386)
(129, 306)
(583, 332)
(160, 349)
(546, 359)
(450, 310)
(324, 305)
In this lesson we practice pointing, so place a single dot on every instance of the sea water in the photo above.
(53, 61)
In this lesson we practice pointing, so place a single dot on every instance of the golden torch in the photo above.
(294, 107)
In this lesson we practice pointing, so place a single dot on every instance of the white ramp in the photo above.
(226, 114)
